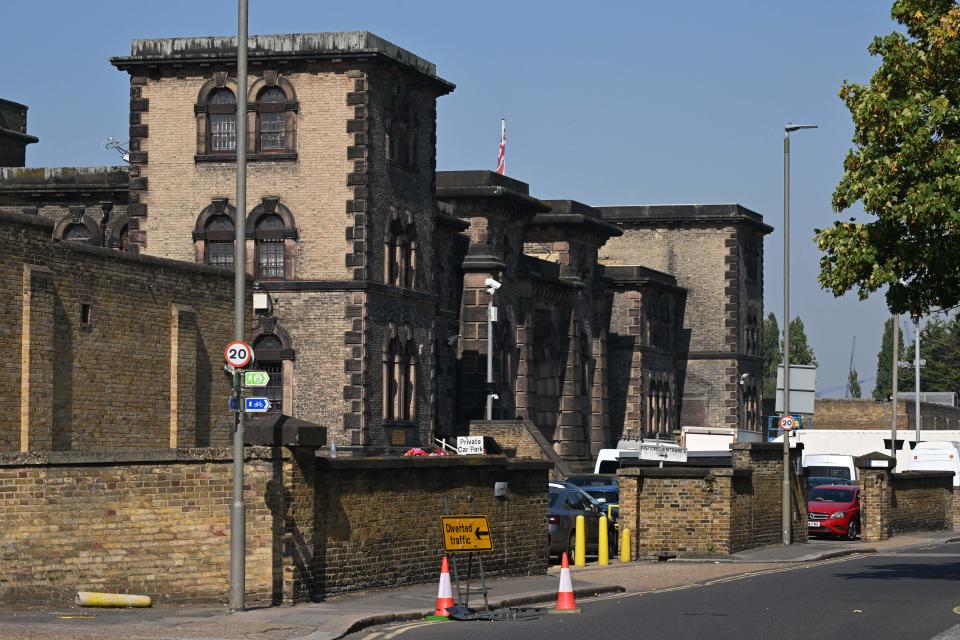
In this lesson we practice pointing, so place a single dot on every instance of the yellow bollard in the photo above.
(603, 551)
(580, 551)
(624, 545)
(96, 599)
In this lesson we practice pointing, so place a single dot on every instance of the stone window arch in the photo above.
(78, 226)
(399, 374)
(273, 114)
(274, 354)
(272, 240)
(400, 250)
(216, 112)
(214, 233)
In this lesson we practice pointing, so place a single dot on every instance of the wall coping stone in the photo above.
(140, 456)
(765, 446)
(919, 475)
(420, 462)
(684, 472)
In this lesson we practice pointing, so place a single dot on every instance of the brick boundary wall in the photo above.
(678, 511)
(894, 503)
(158, 521)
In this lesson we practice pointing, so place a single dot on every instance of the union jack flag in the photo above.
(502, 155)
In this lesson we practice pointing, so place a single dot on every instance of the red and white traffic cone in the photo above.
(444, 593)
(565, 600)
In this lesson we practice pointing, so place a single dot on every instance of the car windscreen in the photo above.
(591, 481)
(830, 495)
(828, 472)
(603, 497)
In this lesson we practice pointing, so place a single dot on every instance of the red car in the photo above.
(834, 509)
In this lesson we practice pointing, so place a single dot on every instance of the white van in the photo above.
(829, 465)
(937, 455)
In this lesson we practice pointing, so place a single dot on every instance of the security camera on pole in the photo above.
(492, 286)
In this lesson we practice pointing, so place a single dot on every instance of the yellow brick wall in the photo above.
(313, 187)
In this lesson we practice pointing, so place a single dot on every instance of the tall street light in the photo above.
(790, 127)
(238, 542)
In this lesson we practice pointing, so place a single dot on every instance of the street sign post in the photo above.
(256, 405)
(787, 423)
(238, 354)
(255, 378)
(466, 533)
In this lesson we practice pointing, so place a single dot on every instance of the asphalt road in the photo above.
(904, 595)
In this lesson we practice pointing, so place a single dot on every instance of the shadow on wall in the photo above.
(204, 379)
(62, 435)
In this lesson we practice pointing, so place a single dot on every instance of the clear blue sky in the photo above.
(606, 102)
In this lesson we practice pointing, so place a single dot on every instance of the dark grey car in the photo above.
(567, 501)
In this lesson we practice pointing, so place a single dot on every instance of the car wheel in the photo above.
(853, 530)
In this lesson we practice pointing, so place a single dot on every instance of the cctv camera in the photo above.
(493, 284)
(744, 377)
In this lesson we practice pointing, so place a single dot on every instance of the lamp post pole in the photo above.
(787, 517)
(237, 507)
(490, 394)
(916, 375)
(896, 369)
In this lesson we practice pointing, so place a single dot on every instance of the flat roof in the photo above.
(306, 46)
(645, 214)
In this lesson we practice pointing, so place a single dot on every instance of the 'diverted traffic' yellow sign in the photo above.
(466, 533)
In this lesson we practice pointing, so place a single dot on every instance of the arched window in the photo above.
(272, 121)
(268, 357)
(399, 375)
(76, 232)
(221, 121)
(400, 252)
(271, 240)
(270, 249)
(219, 241)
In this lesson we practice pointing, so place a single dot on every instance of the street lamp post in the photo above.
(916, 375)
(238, 542)
(790, 127)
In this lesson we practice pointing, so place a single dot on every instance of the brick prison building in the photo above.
(613, 321)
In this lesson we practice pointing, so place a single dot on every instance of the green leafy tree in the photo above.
(853, 384)
(800, 350)
(772, 356)
(904, 168)
(883, 387)
(940, 347)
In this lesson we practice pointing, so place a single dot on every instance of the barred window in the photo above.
(270, 247)
(269, 358)
(222, 129)
(399, 378)
(219, 241)
(272, 120)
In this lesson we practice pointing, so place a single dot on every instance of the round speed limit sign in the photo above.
(238, 354)
(787, 423)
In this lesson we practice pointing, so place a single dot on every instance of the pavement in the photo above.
(343, 615)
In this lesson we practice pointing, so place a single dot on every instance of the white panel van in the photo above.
(937, 455)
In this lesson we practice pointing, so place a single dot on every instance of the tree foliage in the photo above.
(853, 385)
(904, 168)
(883, 387)
(800, 350)
(940, 347)
(772, 356)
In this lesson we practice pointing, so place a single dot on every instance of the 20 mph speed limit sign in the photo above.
(238, 354)
(787, 423)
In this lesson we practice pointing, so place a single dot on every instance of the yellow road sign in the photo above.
(466, 533)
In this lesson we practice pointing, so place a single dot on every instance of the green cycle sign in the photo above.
(255, 378)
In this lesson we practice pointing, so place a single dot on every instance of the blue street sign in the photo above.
(232, 403)
(256, 405)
